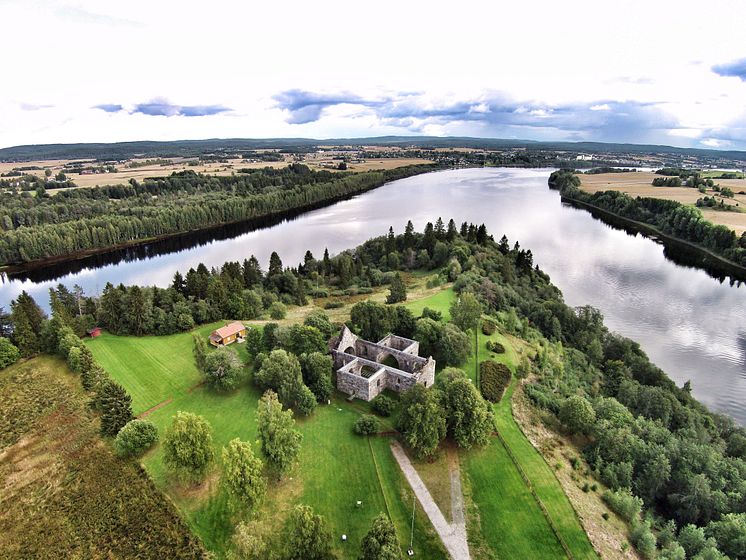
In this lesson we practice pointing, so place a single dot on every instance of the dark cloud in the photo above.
(495, 113)
(736, 69)
(162, 108)
(306, 106)
(109, 107)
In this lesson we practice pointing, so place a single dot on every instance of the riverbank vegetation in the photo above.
(79, 220)
(669, 216)
(640, 434)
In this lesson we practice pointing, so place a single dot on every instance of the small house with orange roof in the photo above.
(233, 332)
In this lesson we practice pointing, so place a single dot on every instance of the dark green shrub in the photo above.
(277, 310)
(136, 437)
(494, 378)
(9, 354)
(488, 327)
(366, 425)
(333, 305)
(624, 503)
(495, 347)
(433, 314)
(383, 405)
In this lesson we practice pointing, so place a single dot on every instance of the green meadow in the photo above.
(337, 468)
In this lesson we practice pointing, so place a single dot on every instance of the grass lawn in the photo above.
(543, 480)
(440, 301)
(506, 514)
(152, 368)
(336, 468)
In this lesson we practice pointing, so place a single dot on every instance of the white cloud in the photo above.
(71, 56)
(715, 143)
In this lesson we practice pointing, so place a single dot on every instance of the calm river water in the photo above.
(690, 324)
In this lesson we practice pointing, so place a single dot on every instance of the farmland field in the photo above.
(639, 184)
(139, 173)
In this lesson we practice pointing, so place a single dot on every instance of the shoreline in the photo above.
(274, 217)
(709, 261)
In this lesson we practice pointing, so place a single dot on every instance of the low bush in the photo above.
(383, 405)
(277, 310)
(366, 425)
(333, 304)
(135, 438)
(488, 327)
(9, 354)
(624, 504)
(643, 540)
(433, 314)
(495, 347)
(494, 378)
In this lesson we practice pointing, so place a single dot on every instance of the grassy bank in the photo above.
(65, 494)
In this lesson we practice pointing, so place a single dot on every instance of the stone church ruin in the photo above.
(364, 368)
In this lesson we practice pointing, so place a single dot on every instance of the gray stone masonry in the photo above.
(362, 373)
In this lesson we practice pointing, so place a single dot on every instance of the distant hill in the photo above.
(190, 148)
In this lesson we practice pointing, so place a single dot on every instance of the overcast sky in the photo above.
(668, 72)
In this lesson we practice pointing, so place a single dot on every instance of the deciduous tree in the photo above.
(380, 542)
(187, 446)
(280, 439)
(242, 474)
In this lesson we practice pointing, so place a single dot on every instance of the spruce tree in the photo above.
(397, 290)
(115, 405)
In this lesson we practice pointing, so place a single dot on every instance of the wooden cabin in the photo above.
(94, 332)
(228, 334)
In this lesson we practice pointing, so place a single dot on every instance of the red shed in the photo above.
(94, 332)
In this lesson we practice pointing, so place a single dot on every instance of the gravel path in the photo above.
(453, 535)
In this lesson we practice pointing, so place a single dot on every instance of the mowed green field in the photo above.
(152, 368)
(509, 517)
(336, 467)
(543, 480)
(440, 302)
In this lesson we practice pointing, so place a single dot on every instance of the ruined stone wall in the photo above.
(412, 369)
(427, 373)
(351, 383)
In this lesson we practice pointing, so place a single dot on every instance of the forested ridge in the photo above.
(75, 220)
(669, 216)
